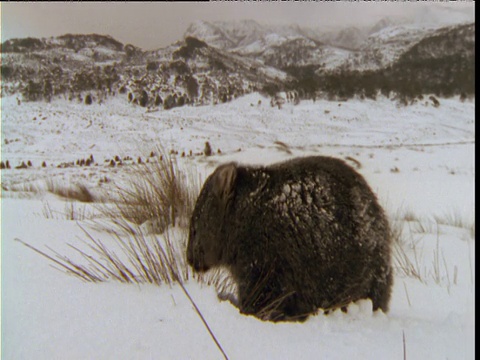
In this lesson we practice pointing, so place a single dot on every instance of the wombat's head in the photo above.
(206, 244)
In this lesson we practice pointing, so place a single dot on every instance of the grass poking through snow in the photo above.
(128, 258)
(413, 242)
(159, 191)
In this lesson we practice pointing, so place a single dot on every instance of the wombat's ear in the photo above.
(224, 182)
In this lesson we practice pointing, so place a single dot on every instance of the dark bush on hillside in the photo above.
(307, 80)
(88, 99)
(270, 89)
(195, 43)
(143, 101)
(7, 72)
(181, 101)
(188, 50)
(169, 102)
(33, 91)
(131, 51)
(19, 45)
(152, 66)
(192, 87)
(208, 149)
(180, 67)
(158, 100)
(218, 65)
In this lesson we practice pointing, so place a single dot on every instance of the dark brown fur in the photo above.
(297, 236)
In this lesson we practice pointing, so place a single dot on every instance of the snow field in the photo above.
(418, 159)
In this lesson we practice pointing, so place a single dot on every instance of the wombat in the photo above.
(296, 236)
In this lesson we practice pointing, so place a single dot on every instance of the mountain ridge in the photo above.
(259, 58)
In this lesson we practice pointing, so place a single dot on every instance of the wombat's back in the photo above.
(317, 230)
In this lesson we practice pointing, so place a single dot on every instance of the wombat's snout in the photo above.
(190, 257)
(200, 267)
(197, 264)
(195, 261)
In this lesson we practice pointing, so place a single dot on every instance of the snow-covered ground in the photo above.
(419, 160)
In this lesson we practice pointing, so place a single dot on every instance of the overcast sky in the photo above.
(150, 25)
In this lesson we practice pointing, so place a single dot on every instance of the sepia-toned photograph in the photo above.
(237, 180)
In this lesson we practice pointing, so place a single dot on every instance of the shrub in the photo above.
(79, 192)
(143, 99)
(208, 149)
(170, 102)
(192, 87)
(88, 99)
(158, 100)
(152, 66)
(159, 190)
(7, 72)
(32, 91)
(188, 50)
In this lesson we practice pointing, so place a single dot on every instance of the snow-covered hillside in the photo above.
(240, 34)
(419, 160)
(385, 46)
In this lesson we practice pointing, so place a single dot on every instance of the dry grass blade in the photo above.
(97, 265)
(283, 147)
(78, 192)
(212, 335)
(94, 275)
(65, 263)
(270, 311)
(405, 264)
(454, 218)
(112, 259)
(203, 320)
(406, 294)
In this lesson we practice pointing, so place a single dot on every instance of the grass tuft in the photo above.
(158, 191)
(72, 211)
(78, 191)
(456, 219)
(125, 258)
(407, 265)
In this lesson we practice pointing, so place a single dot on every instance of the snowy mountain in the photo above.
(237, 36)
(65, 48)
(390, 38)
(75, 65)
(385, 46)
(68, 41)
(277, 46)
(355, 47)
(443, 61)
(218, 61)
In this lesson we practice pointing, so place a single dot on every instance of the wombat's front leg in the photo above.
(381, 289)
